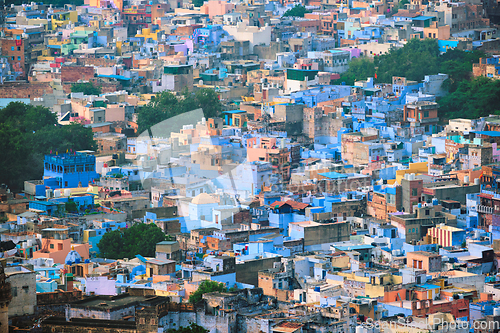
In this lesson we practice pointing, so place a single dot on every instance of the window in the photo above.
(18, 57)
(51, 246)
(427, 212)
(414, 192)
(426, 114)
(19, 48)
(18, 37)
(14, 291)
(12, 48)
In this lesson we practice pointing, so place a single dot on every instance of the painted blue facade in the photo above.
(282, 220)
(394, 310)
(445, 45)
(68, 170)
(48, 207)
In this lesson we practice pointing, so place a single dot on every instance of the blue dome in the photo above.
(73, 256)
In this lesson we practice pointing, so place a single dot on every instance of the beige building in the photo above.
(23, 288)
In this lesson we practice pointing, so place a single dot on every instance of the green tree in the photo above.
(166, 105)
(358, 68)
(206, 286)
(479, 97)
(141, 239)
(71, 207)
(193, 328)
(88, 88)
(403, 3)
(297, 11)
(209, 101)
(27, 133)
(414, 61)
(198, 3)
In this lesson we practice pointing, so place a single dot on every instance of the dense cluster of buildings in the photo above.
(321, 207)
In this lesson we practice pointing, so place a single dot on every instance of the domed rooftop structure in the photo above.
(203, 199)
(73, 257)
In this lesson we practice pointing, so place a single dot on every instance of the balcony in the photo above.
(484, 209)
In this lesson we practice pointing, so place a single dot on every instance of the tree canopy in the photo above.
(297, 11)
(206, 286)
(141, 239)
(476, 98)
(166, 105)
(88, 88)
(467, 98)
(198, 3)
(414, 61)
(29, 132)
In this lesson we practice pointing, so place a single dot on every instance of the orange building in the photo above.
(430, 262)
(58, 249)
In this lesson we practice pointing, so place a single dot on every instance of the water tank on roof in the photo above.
(477, 234)
(67, 192)
(476, 181)
(466, 180)
(435, 202)
(57, 193)
(496, 311)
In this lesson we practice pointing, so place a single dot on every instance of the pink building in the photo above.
(115, 112)
(495, 153)
(305, 63)
(216, 8)
(270, 151)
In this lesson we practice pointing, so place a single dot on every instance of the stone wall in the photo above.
(25, 90)
(75, 73)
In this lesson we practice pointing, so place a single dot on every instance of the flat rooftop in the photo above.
(107, 303)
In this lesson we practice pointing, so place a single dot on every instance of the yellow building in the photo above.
(147, 33)
(60, 19)
(419, 168)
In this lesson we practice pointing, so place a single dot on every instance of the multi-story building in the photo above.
(413, 227)
(137, 17)
(269, 150)
(69, 170)
(424, 114)
(461, 16)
